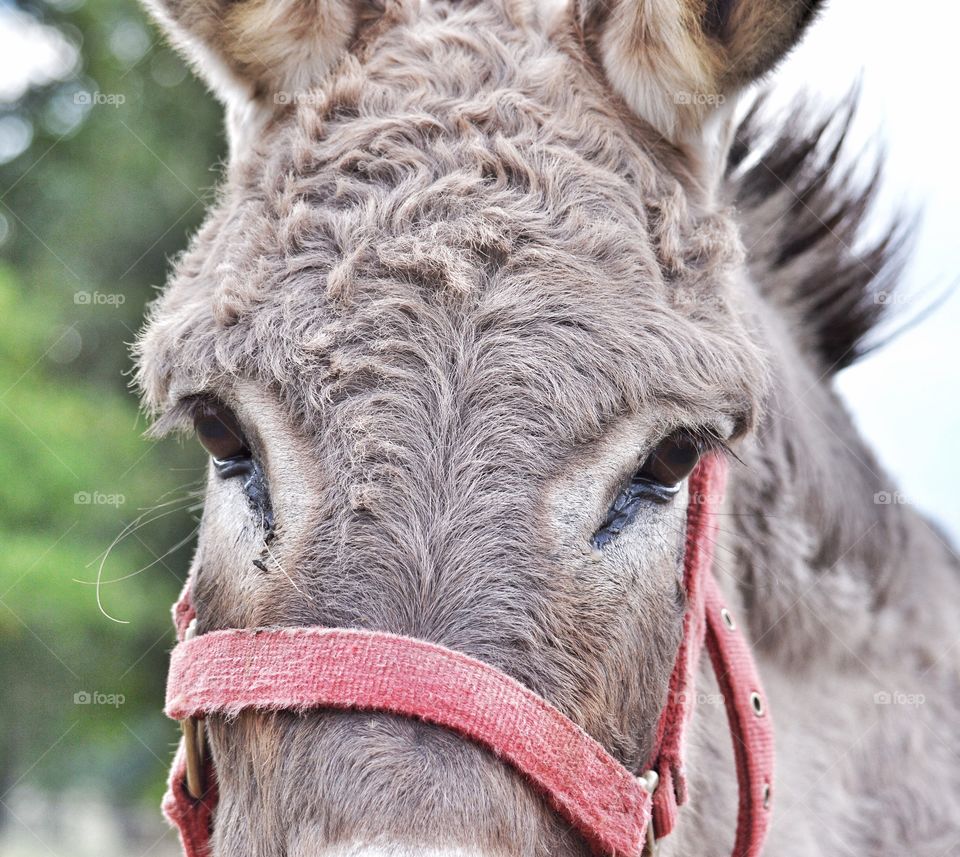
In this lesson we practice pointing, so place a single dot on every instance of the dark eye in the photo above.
(657, 480)
(219, 432)
(671, 461)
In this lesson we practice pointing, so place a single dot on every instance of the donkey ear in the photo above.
(676, 61)
(258, 51)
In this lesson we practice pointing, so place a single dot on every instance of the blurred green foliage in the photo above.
(90, 213)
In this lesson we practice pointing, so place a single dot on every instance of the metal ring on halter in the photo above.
(650, 780)
(193, 739)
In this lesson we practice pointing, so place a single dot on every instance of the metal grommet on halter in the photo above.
(727, 617)
(756, 703)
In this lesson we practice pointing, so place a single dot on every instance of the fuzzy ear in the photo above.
(257, 53)
(676, 61)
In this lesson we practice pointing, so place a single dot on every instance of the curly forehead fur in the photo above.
(497, 194)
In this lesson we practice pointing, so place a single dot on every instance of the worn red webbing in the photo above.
(225, 672)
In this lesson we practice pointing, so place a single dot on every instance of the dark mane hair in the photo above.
(803, 211)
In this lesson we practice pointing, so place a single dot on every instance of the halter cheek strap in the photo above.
(617, 812)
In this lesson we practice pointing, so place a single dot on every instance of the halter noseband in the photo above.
(616, 811)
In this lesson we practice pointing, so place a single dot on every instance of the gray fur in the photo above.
(454, 294)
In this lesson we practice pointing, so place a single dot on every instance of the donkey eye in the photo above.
(657, 480)
(218, 430)
(671, 461)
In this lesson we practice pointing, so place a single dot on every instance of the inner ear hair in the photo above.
(259, 55)
(716, 17)
(677, 62)
(757, 35)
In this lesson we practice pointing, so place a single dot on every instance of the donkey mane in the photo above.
(804, 212)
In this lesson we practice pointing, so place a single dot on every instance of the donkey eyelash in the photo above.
(179, 417)
(710, 440)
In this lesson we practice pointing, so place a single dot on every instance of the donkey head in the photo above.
(464, 319)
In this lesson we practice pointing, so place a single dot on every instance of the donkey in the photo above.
(476, 269)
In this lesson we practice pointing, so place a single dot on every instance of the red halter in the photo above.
(617, 812)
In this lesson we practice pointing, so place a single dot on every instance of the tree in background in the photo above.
(105, 172)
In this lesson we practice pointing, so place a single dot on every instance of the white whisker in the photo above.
(292, 583)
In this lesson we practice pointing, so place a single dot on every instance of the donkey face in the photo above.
(460, 326)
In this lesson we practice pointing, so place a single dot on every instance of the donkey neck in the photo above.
(815, 532)
(848, 594)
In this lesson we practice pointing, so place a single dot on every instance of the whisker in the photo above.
(727, 550)
(170, 507)
(130, 527)
(160, 558)
(292, 583)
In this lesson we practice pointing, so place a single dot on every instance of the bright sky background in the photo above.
(905, 398)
